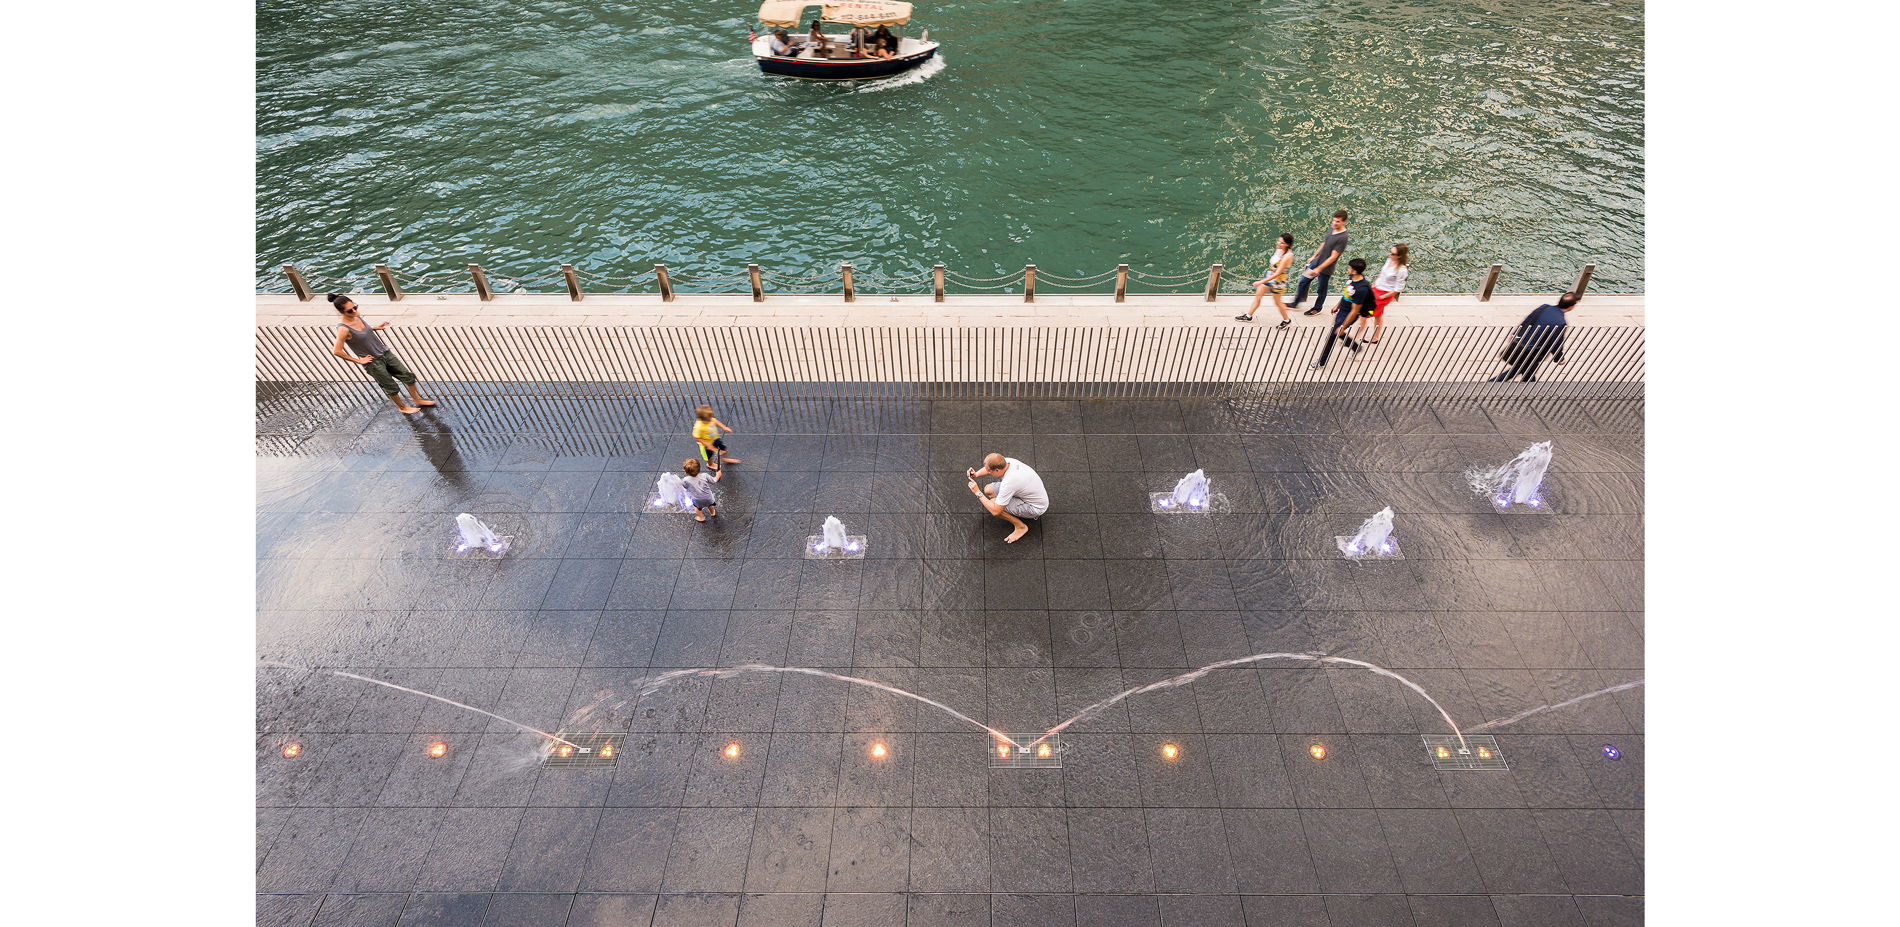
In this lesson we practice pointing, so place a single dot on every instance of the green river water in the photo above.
(1072, 135)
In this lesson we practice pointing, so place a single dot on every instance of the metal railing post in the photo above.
(1121, 283)
(573, 282)
(389, 283)
(937, 290)
(1583, 279)
(1490, 283)
(1213, 282)
(758, 291)
(850, 295)
(1029, 283)
(297, 283)
(666, 283)
(481, 282)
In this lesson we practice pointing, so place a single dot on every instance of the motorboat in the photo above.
(836, 58)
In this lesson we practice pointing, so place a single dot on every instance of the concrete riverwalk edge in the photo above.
(958, 311)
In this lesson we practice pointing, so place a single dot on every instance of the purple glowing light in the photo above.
(818, 548)
(462, 547)
(1503, 502)
(1611, 752)
(1167, 503)
(851, 548)
(1385, 548)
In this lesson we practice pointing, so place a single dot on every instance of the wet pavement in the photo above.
(1490, 614)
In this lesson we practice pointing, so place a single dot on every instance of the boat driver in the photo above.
(782, 44)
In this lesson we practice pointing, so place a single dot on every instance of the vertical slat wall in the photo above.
(749, 362)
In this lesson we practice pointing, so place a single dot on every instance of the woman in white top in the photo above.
(1274, 282)
(1385, 289)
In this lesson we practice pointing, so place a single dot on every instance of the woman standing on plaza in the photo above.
(382, 364)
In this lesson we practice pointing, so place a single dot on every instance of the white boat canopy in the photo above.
(787, 13)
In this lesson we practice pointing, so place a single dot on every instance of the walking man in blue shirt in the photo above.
(1541, 333)
(1321, 265)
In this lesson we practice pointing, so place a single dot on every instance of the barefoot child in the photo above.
(699, 490)
(705, 431)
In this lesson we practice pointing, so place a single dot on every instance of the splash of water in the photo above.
(1515, 482)
(476, 534)
(1191, 491)
(652, 684)
(672, 490)
(834, 533)
(1192, 675)
(1370, 538)
(551, 738)
(1563, 704)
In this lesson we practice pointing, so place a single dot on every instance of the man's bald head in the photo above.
(994, 462)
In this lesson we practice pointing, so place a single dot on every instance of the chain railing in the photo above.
(921, 362)
(935, 282)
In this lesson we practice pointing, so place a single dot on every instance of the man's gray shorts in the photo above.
(1021, 509)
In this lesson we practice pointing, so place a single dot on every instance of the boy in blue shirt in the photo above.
(1357, 302)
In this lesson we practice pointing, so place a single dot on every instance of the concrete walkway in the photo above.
(730, 309)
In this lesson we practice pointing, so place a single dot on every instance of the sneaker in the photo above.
(1283, 324)
(1243, 318)
(1312, 311)
(1314, 365)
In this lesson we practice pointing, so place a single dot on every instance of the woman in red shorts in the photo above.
(1385, 289)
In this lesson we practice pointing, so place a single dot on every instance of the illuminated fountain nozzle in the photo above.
(1190, 494)
(475, 534)
(833, 543)
(1373, 540)
(1516, 483)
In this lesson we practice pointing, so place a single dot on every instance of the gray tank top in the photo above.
(365, 342)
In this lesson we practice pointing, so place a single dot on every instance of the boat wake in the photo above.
(916, 75)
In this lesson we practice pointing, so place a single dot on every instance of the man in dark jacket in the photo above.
(1541, 333)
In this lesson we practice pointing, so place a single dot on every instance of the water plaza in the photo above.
(1362, 645)
(1133, 715)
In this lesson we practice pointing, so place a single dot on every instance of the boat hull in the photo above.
(843, 68)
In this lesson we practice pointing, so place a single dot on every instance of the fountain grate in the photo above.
(854, 547)
(1538, 504)
(589, 750)
(1344, 542)
(460, 551)
(1044, 755)
(1484, 753)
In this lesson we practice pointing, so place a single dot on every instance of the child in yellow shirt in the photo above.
(706, 432)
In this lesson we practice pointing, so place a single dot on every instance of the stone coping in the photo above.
(829, 310)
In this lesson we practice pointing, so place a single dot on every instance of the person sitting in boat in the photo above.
(782, 44)
(859, 38)
(886, 42)
(817, 40)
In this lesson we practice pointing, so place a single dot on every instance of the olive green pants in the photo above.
(387, 370)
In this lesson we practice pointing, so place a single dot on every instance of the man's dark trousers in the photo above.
(1339, 319)
(1319, 298)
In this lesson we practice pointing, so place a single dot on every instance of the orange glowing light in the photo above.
(607, 750)
(566, 749)
(877, 750)
(1484, 753)
(438, 749)
(292, 750)
(1042, 750)
(732, 750)
(1002, 750)
(1442, 752)
(1170, 751)
(1318, 751)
